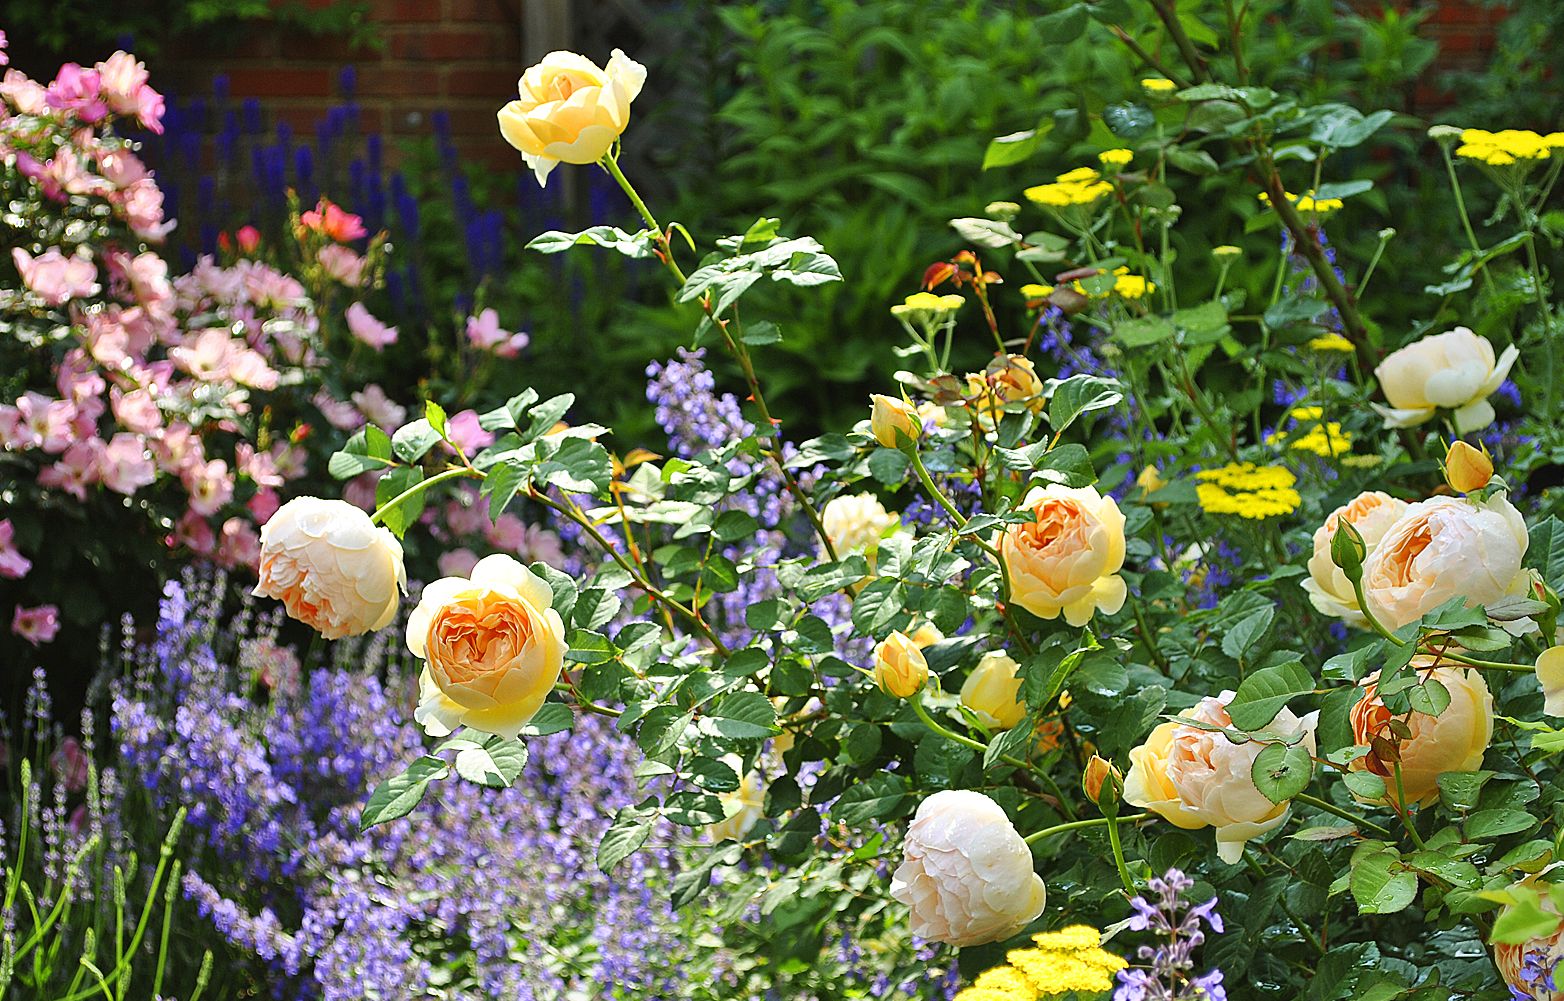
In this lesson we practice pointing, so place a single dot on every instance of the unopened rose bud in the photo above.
(1467, 469)
(895, 423)
(1347, 550)
(899, 666)
(1150, 480)
(1098, 772)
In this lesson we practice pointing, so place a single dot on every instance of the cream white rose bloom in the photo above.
(1195, 778)
(1455, 370)
(570, 110)
(741, 807)
(856, 523)
(993, 691)
(1067, 558)
(492, 649)
(331, 567)
(1550, 674)
(1371, 513)
(966, 874)
(1443, 548)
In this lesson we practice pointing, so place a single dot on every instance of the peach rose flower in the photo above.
(1530, 967)
(1196, 778)
(1550, 675)
(492, 648)
(331, 567)
(1067, 558)
(966, 874)
(570, 110)
(741, 807)
(1453, 741)
(1455, 370)
(993, 691)
(1442, 548)
(1371, 513)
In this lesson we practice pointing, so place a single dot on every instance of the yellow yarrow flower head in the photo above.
(1306, 202)
(1081, 186)
(925, 306)
(1247, 490)
(1158, 85)
(1225, 250)
(1069, 960)
(1511, 146)
(1331, 342)
(1321, 437)
(1115, 157)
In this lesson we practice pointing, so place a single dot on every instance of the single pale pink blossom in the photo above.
(484, 333)
(120, 78)
(23, 93)
(239, 545)
(209, 485)
(76, 470)
(379, 409)
(136, 410)
(37, 625)
(125, 465)
(363, 325)
(457, 562)
(341, 264)
(194, 533)
(467, 434)
(12, 563)
(263, 505)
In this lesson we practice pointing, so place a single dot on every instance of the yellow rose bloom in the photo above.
(570, 110)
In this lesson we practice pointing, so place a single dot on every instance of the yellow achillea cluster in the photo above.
(1306, 202)
(1325, 438)
(1247, 490)
(1115, 157)
(1071, 959)
(1158, 85)
(1331, 342)
(1125, 286)
(921, 304)
(1500, 149)
(1081, 186)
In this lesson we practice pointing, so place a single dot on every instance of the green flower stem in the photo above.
(1336, 811)
(961, 520)
(934, 492)
(1117, 847)
(419, 487)
(637, 578)
(1403, 812)
(1548, 382)
(1466, 219)
(1303, 929)
(735, 346)
(585, 703)
(965, 741)
(1077, 825)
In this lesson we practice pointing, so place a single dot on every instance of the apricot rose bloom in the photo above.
(1067, 558)
(492, 648)
(570, 110)
(993, 691)
(1550, 674)
(331, 567)
(1371, 513)
(741, 807)
(1529, 967)
(1194, 777)
(1442, 548)
(966, 874)
(1453, 741)
(1455, 370)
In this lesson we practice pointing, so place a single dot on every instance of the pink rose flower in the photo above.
(37, 625)
(331, 221)
(194, 533)
(79, 90)
(136, 410)
(363, 325)
(457, 562)
(120, 78)
(209, 485)
(55, 278)
(263, 505)
(121, 167)
(379, 409)
(239, 545)
(12, 563)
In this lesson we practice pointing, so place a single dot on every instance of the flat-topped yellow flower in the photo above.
(926, 305)
(492, 649)
(1306, 202)
(1507, 147)
(1330, 342)
(1158, 85)
(1081, 186)
(570, 110)
(1115, 157)
(1247, 490)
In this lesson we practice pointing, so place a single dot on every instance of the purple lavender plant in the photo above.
(1166, 972)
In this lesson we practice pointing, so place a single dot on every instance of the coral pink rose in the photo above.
(1453, 741)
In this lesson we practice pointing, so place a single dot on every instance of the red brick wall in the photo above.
(458, 56)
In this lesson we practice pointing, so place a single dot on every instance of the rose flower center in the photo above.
(476, 636)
